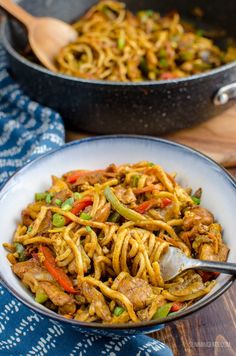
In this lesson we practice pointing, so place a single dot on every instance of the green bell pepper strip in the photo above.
(118, 311)
(48, 198)
(162, 311)
(67, 205)
(196, 200)
(40, 196)
(114, 217)
(41, 297)
(88, 228)
(127, 213)
(85, 216)
(21, 251)
(77, 196)
(58, 202)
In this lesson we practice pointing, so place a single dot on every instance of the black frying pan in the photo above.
(142, 108)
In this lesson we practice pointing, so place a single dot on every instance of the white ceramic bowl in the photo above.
(193, 168)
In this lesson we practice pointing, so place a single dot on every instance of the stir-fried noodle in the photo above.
(114, 44)
(88, 248)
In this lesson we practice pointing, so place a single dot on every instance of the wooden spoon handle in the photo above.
(18, 12)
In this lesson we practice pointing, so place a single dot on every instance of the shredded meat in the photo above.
(27, 272)
(97, 301)
(103, 213)
(57, 296)
(206, 252)
(144, 314)
(125, 195)
(197, 220)
(198, 193)
(196, 216)
(31, 265)
(138, 291)
(111, 168)
(94, 178)
(191, 283)
(62, 195)
(46, 224)
(26, 218)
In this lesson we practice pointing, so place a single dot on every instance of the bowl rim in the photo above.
(10, 50)
(123, 326)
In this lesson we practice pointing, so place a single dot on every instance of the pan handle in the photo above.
(225, 94)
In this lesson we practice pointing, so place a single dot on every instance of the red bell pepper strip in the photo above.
(80, 205)
(168, 75)
(72, 178)
(58, 274)
(145, 206)
(165, 202)
(176, 306)
(148, 204)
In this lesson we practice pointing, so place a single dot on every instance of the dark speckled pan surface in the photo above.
(106, 107)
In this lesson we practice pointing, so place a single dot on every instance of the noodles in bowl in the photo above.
(88, 248)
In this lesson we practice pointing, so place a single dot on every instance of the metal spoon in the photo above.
(46, 35)
(174, 261)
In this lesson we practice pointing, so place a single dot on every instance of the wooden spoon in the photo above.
(46, 35)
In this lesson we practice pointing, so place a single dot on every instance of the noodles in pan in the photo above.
(88, 248)
(114, 44)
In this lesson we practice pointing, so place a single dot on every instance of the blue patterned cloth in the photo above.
(28, 130)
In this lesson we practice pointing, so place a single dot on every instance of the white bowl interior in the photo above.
(194, 170)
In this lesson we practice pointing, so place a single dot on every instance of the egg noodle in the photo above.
(114, 44)
(88, 248)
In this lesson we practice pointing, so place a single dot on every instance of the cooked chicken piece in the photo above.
(46, 224)
(196, 216)
(195, 232)
(26, 218)
(198, 193)
(62, 195)
(97, 301)
(57, 296)
(111, 168)
(147, 313)
(31, 265)
(28, 272)
(103, 213)
(91, 178)
(206, 252)
(138, 291)
(197, 220)
(125, 195)
(190, 283)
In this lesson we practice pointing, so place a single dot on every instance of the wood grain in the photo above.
(211, 331)
(216, 137)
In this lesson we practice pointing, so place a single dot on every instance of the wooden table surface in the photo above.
(209, 332)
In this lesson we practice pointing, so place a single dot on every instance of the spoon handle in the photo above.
(18, 12)
(222, 267)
